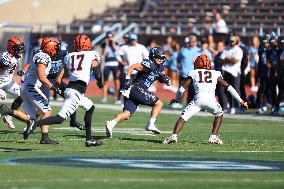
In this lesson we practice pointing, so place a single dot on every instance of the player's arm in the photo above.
(137, 67)
(42, 76)
(232, 91)
(181, 90)
(98, 73)
(60, 75)
(163, 78)
(24, 69)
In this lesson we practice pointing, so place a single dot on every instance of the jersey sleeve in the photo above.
(96, 56)
(146, 63)
(5, 59)
(42, 58)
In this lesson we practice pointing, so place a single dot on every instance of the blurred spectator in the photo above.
(262, 74)
(134, 53)
(272, 62)
(231, 58)
(280, 75)
(110, 51)
(211, 44)
(122, 67)
(253, 60)
(220, 25)
(218, 66)
(168, 45)
(186, 58)
(146, 5)
(205, 50)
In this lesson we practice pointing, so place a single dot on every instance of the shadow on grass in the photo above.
(7, 132)
(140, 139)
(83, 136)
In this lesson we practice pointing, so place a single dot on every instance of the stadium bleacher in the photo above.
(237, 13)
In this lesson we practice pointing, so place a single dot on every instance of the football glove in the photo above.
(58, 91)
(126, 84)
(164, 79)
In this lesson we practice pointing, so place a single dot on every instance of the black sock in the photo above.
(44, 136)
(88, 122)
(49, 121)
(73, 118)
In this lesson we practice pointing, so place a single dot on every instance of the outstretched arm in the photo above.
(233, 92)
(181, 90)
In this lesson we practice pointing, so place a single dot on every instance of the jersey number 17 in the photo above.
(79, 66)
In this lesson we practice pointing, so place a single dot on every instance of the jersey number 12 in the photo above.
(205, 77)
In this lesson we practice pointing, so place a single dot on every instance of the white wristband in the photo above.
(127, 77)
(234, 93)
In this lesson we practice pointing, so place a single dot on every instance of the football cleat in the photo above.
(153, 128)
(214, 139)
(108, 130)
(28, 129)
(170, 139)
(78, 125)
(93, 142)
(8, 119)
(48, 141)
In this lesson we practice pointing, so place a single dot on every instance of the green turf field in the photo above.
(243, 139)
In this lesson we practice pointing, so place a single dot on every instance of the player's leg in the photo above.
(88, 105)
(191, 109)
(36, 99)
(128, 109)
(156, 109)
(75, 123)
(215, 108)
(13, 89)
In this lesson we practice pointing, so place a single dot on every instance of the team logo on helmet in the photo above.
(82, 43)
(50, 46)
(202, 62)
(156, 52)
(15, 46)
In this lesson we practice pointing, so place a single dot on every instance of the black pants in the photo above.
(234, 82)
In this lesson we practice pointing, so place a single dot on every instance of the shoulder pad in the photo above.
(146, 63)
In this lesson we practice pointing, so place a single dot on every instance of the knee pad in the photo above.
(17, 103)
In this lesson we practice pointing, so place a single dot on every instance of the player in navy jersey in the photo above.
(149, 70)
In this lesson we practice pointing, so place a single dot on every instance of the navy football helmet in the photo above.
(156, 52)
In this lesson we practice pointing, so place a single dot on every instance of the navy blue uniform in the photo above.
(139, 93)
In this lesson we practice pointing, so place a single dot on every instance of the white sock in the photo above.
(174, 135)
(112, 123)
(152, 121)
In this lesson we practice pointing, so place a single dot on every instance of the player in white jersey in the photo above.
(33, 99)
(204, 81)
(79, 65)
(8, 63)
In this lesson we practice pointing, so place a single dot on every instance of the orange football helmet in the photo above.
(50, 46)
(202, 62)
(82, 43)
(15, 46)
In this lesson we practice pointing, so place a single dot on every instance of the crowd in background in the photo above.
(255, 71)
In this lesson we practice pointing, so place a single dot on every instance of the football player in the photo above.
(204, 81)
(8, 63)
(33, 99)
(149, 70)
(54, 70)
(79, 65)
